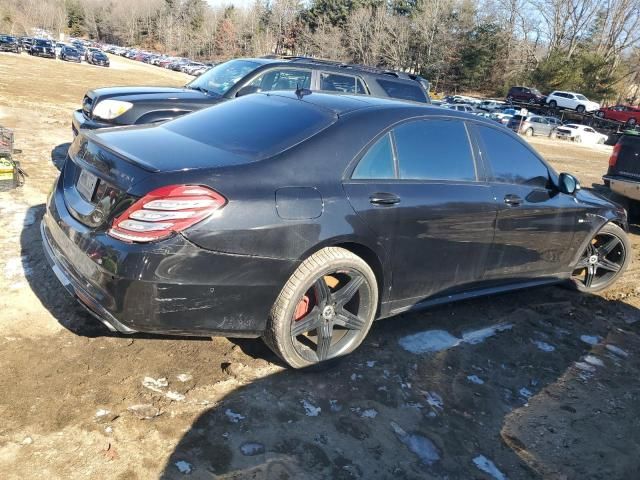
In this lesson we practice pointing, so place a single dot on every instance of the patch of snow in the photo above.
(371, 363)
(593, 360)
(310, 410)
(475, 379)
(590, 339)
(434, 400)
(617, 351)
(432, 341)
(585, 367)
(108, 429)
(17, 267)
(334, 406)
(183, 467)
(184, 377)
(155, 384)
(369, 413)
(232, 416)
(544, 346)
(27, 441)
(175, 396)
(478, 336)
(488, 467)
(249, 449)
(102, 413)
(525, 392)
(421, 446)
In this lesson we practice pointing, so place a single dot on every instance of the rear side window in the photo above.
(403, 91)
(377, 163)
(285, 79)
(434, 150)
(510, 160)
(332, 82)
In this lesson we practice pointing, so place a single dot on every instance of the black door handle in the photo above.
(383, 198)
(512, 200)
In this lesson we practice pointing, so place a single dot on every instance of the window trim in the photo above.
(485, 162)
(478, 168)
(355, 83)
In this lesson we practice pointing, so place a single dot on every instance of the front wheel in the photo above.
(529, 132)
(553, 104)
(580, 109)
(325, 309)
(606, 257)
(577, 139)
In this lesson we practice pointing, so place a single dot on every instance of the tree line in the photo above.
(482, 46)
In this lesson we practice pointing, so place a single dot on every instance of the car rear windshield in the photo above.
(402, 90)
(254, 126)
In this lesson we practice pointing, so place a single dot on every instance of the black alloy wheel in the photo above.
(603, 261)
(325, 310)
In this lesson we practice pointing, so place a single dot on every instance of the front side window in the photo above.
(283, 79)
(434, 150)
(510, 160)
(377, 163)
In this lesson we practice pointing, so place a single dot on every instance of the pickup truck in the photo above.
(623, 175)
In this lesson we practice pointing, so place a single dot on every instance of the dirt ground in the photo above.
(536, 384)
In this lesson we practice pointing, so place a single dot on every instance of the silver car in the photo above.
(531, 125)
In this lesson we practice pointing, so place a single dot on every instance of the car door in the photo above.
(535, 222)
(437, 210)
(543, 126)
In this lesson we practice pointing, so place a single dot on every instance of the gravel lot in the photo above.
(536, 384)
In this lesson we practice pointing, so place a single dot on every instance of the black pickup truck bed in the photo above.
(623, 175)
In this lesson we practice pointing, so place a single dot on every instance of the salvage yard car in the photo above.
(623, 175)
(42, 48)
(115, 106)
(301, 217)
(98, 58)
(620, 113)
(70, 54)
(9, 43)
(531, 125)
(572, 101)
(580, 134)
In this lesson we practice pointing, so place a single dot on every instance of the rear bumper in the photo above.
(625, 187)
(171, 287)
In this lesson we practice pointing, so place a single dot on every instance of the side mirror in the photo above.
(248, 90)
(568, 184)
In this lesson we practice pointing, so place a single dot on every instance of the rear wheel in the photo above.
(325, 309)
(606, 257)
(580, 109)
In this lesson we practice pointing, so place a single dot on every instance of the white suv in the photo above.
(574, 101)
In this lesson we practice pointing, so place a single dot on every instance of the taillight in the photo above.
(614, 155)
(165, 211)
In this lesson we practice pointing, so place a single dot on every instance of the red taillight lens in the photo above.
(614, 155)
(164, 211)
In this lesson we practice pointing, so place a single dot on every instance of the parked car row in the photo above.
(178, 64)
(75, 51)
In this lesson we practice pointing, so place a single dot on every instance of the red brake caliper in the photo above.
(302, 309)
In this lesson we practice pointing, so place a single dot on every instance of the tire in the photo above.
(611, 259)
(601, 141)
(553, 104)
(632, 122)
(532, 101)
(310, 303)
(580, 109)
(577, 139)
(510, 99)
(529, 132)
(599, 114)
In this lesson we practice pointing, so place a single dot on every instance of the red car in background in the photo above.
(621, 113)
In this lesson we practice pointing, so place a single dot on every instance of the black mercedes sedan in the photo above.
(301, 217)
